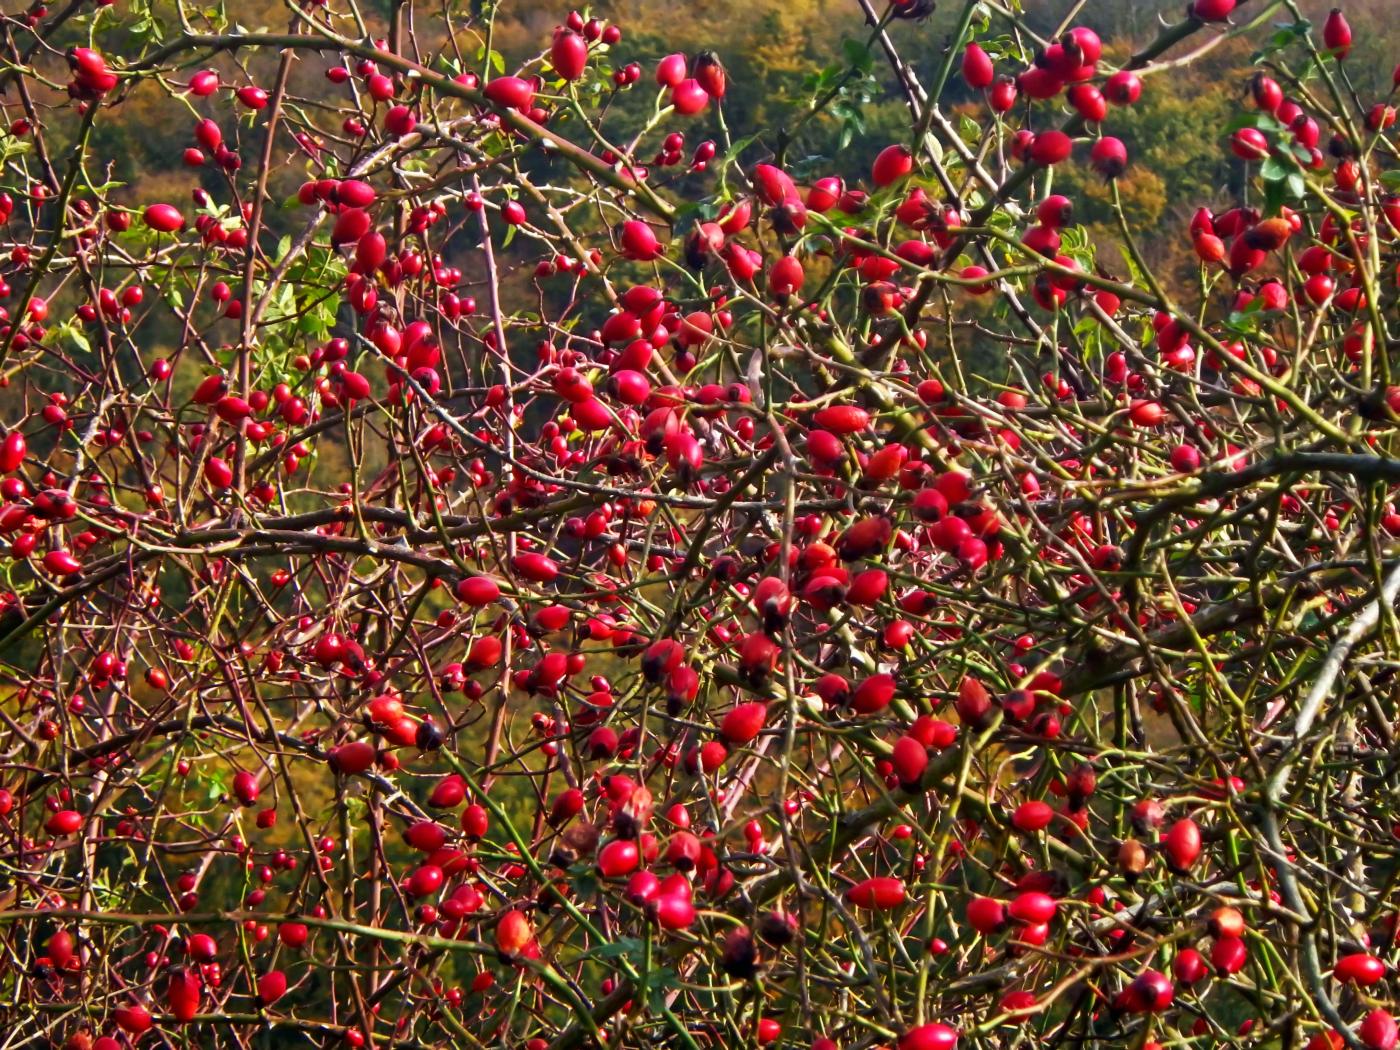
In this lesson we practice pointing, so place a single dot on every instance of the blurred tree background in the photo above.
(781, 55)
(775, 52)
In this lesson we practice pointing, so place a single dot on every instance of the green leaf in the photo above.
(969, 130)
(1274, 169)
(728, 160)
(1086, 328)
(1286, 36)
(623, 946)
(1244, 322)
(1131, 264)
(14, 147)
(689, 215)
(1255, 119)
(820, 83)
(659, 982)
(858, 55)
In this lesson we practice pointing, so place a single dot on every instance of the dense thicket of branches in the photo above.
(581, 572)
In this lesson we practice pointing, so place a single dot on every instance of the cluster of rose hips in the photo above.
(779, 622)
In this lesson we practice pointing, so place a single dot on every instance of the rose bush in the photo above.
(500, 558)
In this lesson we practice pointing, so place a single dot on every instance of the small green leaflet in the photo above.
(1286, 36)
(623, 946)
(858, 55)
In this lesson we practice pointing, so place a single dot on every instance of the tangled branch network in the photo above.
(484, 570)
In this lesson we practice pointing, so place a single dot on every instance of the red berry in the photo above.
(927, 1037)
(568, 54)
(1378, 1030)
(977, 68)
(842, 419)
(352, 758)
(64, 822)
(619, 857)
(1249, 144)
(1109, 157)
(910, 760)
(477, 590)
(689, 97)
(882, 893)
(1212, 10)
(892, 164)
(1051, 147)
(1123, 88)
(1336, 34)
(1032, 816)
(1182, 844)
(742, 724)
(271, 987)
(1359, 968)
(165, 218)
(986, 915)
(510, 93)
